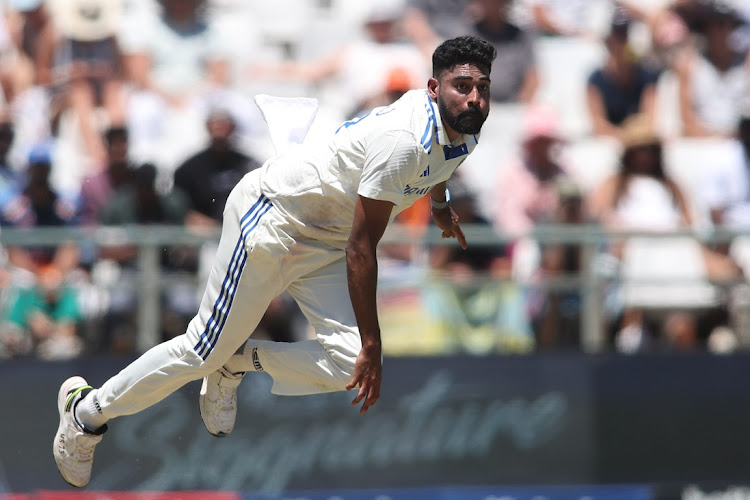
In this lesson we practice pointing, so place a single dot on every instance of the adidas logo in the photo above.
(256, 360)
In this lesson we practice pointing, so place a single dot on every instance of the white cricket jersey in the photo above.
(395, 153)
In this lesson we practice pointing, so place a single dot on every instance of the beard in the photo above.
(469, 121)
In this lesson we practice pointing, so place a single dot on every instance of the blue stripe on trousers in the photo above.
(223, 303)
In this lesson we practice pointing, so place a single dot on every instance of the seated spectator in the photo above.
(32, 34)
(358, 71)
(205, 180)
(97, 189)
(26, 73)
(529, 183)
(714, 77)
(39, 205)
(555, 312)
(207, 177)
(87, 73)
(43, 320)
(174, 60)
(138, 203)
(622, 87)
(537, 190)
(514, 73)
(726, 187)
(642, 197)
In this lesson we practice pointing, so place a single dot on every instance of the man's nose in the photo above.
(473, 97)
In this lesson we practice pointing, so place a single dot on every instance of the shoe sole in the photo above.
(62, 397)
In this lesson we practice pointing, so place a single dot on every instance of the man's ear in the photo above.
(432, 87)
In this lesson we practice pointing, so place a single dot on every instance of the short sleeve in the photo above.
(390, 162)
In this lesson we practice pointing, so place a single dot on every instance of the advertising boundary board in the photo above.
(442, 422)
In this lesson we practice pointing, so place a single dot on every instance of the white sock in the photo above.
(241, 362)
(89, 413)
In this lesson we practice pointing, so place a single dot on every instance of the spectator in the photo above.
(32, 34)
(87, 71)
(529, 184)
(642, 196)
(174, 60)
(43, 320)
(714, 81)
(97, 189)
(207, 177)
(39, 205)
(555, 313)
(137, 203)
(514, 76)
(26, 73)
(537, 190)
(622, 86)
(726, 187)
(359, 71)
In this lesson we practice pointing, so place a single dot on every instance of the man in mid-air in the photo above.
(308, 222)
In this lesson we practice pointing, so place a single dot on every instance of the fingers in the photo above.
(373, 394)
(352, 383)
(458, 233)
(368, 391)
(460, 236)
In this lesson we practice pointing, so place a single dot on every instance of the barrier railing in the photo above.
(151, 239)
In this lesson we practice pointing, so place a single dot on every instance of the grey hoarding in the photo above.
(441, 421)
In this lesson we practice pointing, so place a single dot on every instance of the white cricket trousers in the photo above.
(259, 256)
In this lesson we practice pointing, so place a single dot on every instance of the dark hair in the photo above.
(627, 171)
(462, 50)
(116, 133)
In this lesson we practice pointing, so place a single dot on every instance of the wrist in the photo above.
(441, 204)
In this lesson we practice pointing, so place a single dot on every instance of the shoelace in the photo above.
(85, 445)
(226, 399)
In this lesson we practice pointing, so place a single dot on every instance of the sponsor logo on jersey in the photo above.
(410, 190)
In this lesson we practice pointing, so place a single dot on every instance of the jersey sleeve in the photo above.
(391, 159)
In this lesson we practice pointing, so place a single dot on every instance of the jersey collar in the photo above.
(439, 130)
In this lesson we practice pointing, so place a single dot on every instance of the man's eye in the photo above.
(484, 88)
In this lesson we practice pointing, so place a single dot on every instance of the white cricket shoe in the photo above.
(218, 401)
(73, 446)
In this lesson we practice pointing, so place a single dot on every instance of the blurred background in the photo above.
(591, 342)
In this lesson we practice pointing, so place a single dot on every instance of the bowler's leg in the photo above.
(325, 364)
(241, 284)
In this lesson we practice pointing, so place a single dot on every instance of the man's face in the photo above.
(463, 98)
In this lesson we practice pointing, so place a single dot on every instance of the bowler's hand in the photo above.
(447, 220)
(368, 373)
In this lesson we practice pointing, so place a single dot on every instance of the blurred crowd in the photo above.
(633, 115)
